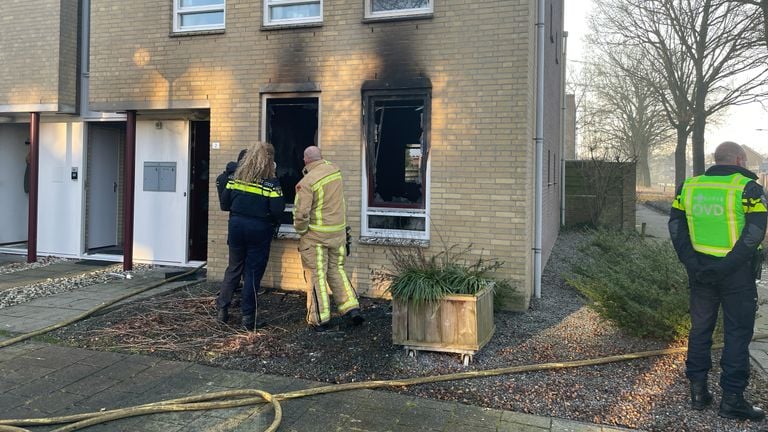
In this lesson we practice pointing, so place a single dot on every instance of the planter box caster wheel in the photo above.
(410, 352)
(466, 359)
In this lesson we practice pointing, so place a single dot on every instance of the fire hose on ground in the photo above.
(246, 397)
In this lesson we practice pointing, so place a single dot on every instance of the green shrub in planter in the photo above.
(420, 279)
(636, 283)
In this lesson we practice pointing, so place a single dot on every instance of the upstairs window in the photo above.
(396, 176)
(195, 15)
(397, 8)
(288, 12)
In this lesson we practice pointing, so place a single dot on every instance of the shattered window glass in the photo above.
(396, 163)
(396, 126)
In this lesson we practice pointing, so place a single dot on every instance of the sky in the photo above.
(739, 124)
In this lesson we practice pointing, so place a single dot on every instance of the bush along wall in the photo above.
(636, 283)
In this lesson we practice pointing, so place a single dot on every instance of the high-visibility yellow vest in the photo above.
(714, 211)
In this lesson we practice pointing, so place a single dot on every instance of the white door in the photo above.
(162, 189)
(103, 168)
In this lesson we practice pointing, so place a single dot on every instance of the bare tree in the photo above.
(629, 116)
(704, 51)
(762, 6)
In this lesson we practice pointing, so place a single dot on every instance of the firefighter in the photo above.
(255, 202)
(717, 223)
(319, 217)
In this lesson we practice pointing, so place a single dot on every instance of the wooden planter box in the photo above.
(458, 323)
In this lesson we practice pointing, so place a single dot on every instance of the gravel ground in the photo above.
(649, 394)
(23, 294)
(13, 267)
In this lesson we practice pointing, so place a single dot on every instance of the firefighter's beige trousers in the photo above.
(322, 256)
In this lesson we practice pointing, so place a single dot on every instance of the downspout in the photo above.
(563, 128)
(539, 145)
(34, 170)
(129, 168)
(85, 49)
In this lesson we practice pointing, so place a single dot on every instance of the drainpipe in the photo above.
(539, 145)
(129, 168)
(562, 128)
(34, 169)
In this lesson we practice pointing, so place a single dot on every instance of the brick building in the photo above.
(428, 107)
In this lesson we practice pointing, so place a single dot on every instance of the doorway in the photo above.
(103, 188)
(198, 187)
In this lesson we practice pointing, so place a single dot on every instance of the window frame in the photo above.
(370, 14)
(267, 22)
(287, 230)
(179, 11)
(370, 96)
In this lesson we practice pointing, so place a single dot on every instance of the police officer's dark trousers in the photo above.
(737, 294)
(252, 238)
(232, 276)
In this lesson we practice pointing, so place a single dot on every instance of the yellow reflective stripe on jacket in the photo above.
(327, 228)
(318, 188)
(753, 205)
(253, 188)
(325, 180)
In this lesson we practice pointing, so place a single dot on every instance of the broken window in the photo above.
(390, 8)
(286, 12)
(396, 160)
(195, 15)
(290, 125)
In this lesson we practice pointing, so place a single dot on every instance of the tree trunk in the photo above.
(697, 140)
(680, 165)
(643, 170)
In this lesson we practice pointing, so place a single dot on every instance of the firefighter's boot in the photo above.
(700, 395)
(734, 406)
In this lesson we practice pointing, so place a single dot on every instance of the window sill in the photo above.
(196, 33)
(288, 235)
(373, 20)
(290, 26)
(393, 241)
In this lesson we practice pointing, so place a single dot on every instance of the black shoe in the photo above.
(249, 322)
(320, 327)
(222, 315)
(700, 395)
(734, 406)
(354, 317)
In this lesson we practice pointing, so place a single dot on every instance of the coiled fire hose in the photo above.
(246, 397)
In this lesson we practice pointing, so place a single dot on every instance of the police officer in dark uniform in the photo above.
(717, 223)
(255, 202)
(236, 263)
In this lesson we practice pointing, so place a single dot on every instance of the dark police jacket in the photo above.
(223, 178)
(262, 199)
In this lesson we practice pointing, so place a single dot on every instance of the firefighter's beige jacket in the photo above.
(319, 205)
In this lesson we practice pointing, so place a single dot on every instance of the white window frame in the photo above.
(286, 229)
(293, 21)
(398, 13)
(367, 211)
(178, 11)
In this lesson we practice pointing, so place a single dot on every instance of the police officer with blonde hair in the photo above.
(319, 216)
(717, 223)
(255, 202)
